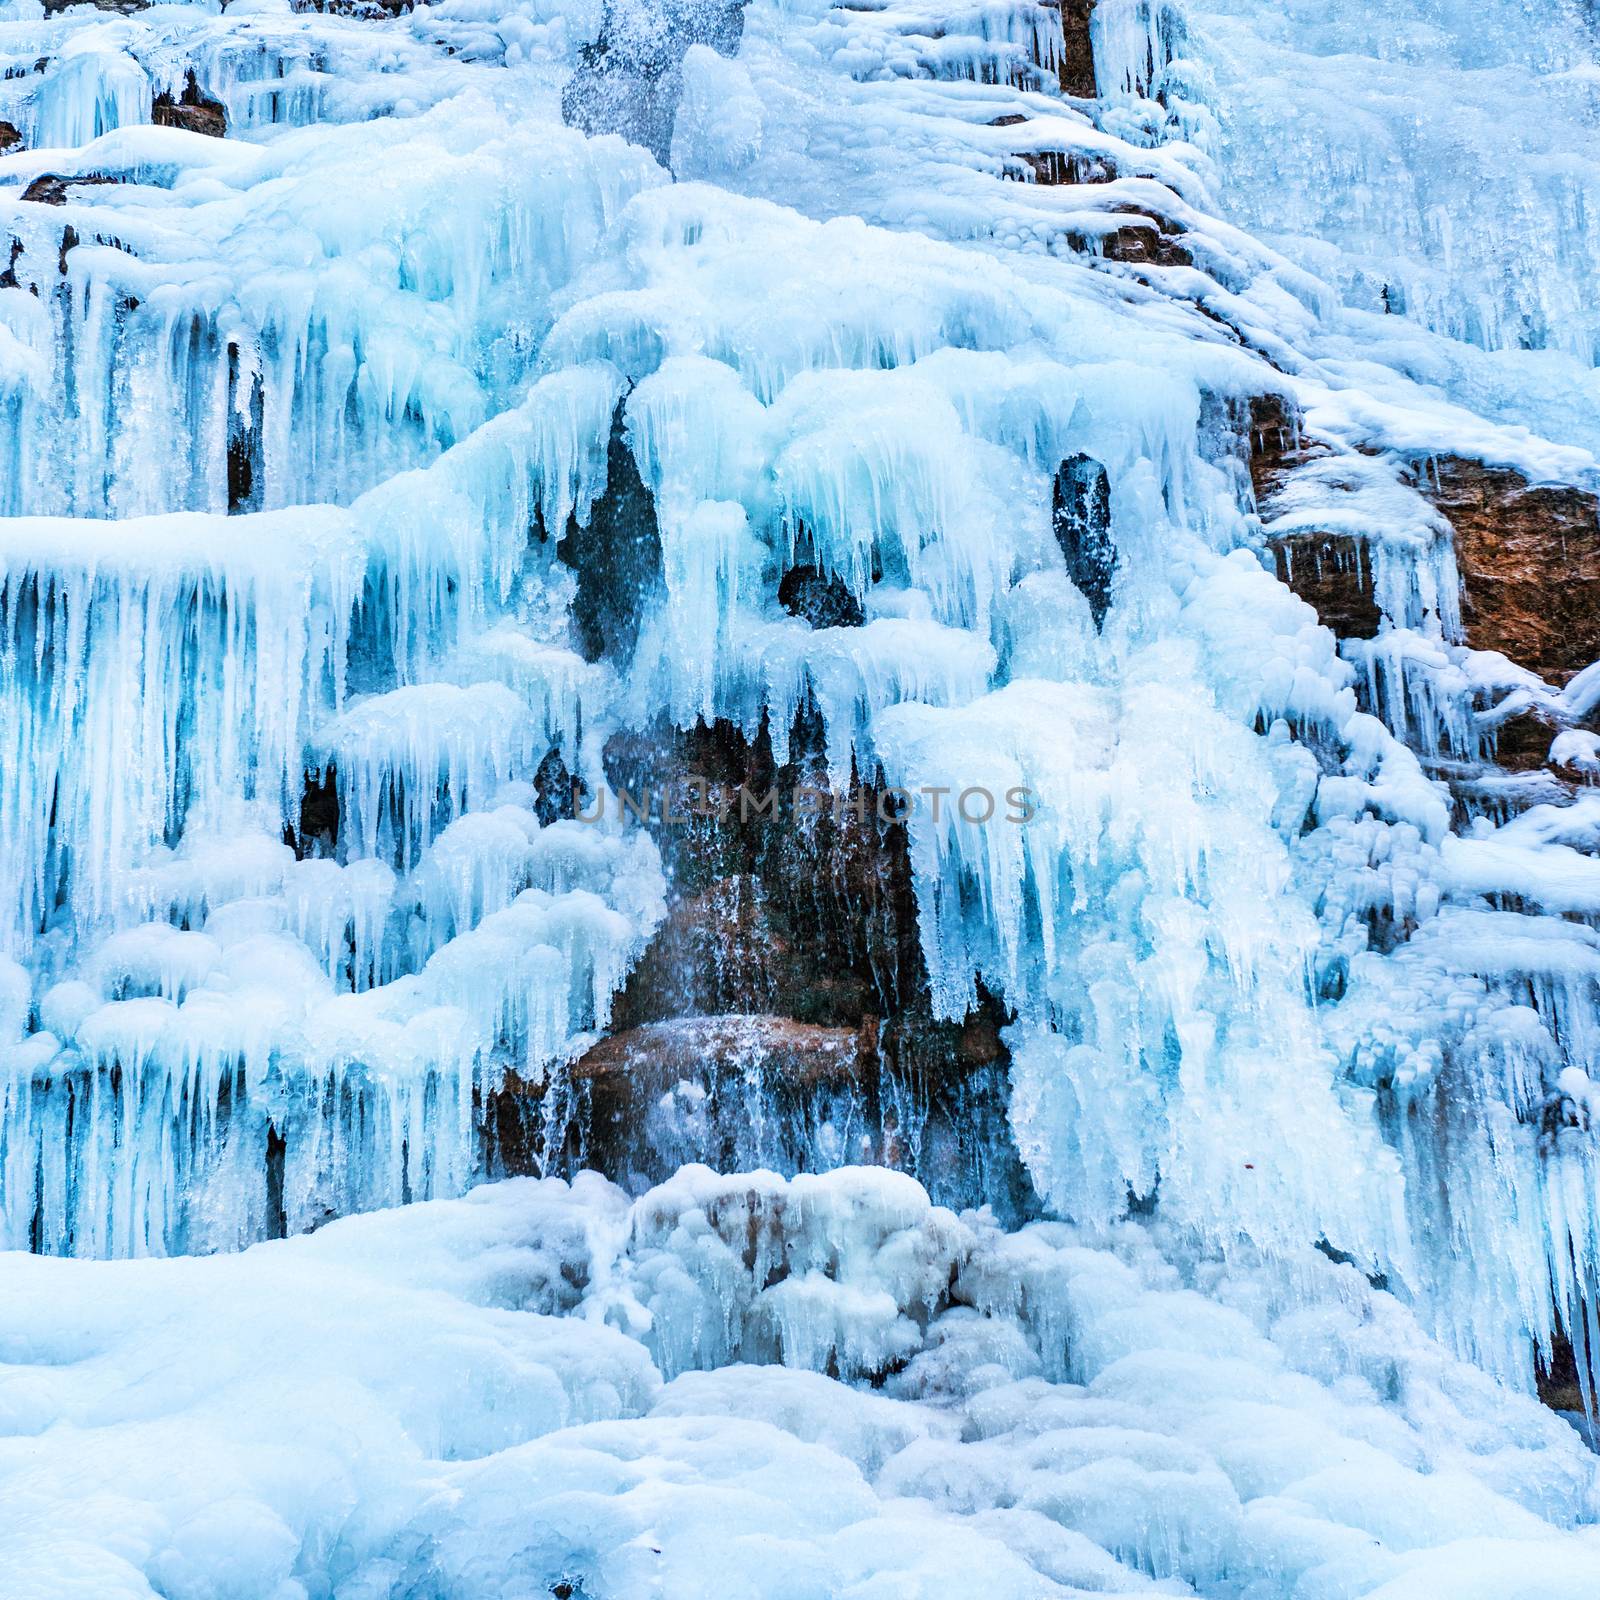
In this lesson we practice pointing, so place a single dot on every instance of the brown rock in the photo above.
(50, 188)
(1331, 573)
(1522, 743)
(194, 110)
(1278, 444)
(10, 139)
(1328, 571)
(1057, 166)
(649, 1060)
(781, 1015)
(1143, 245)
(1076, 68)
(1529, 556)
(809, 915)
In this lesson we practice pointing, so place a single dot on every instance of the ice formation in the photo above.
(482, 401)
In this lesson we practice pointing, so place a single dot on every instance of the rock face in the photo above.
(1277, 444)
(822, 600)
(616, 555)
(1076, 68)
(10, 139)
(1141, 245)
(1081, 513)
(780, 1016)
(1056, 166)
(1529, 560)
(732, 1091)
(193, 110)
(1330, 572)
(1530, 564)
(50, 188)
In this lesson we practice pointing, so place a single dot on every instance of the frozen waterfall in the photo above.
(798, 799)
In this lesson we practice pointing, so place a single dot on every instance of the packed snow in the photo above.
(820, 1387)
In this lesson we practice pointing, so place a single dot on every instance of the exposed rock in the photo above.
(1278, 444)
(1057, 166)
(616, 555)
(1076, 68)
(245, 455)
(193, 110)
(50, 188)
(10, 139)
(553, 790)
(123, 8)
(1332, 574)
(745, 1091)
(1081, 510)
(1146, 244)
(649, 1060)
(1558, 1383)
(792, 948)
(1330, 571)
(318, 831)
(361, 10)
(811, 915)
(1522, 743)
(1529, 557)
(822, 599)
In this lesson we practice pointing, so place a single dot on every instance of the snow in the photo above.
(541, 1384)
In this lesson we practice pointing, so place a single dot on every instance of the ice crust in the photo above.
(817, 1387)
(1265, 981)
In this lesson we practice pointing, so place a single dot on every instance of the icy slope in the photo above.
(368, 474)
(542, 1390)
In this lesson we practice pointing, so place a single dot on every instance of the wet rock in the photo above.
(1056, 166)
(359, 10)
(1332, 574)
(1081, 511)
(554, 800)
(648, 1060)
(1529, 556)
(822, 599)
(10, 139)
(781, 1014)
(1522, 743)
(193, 110)
(746, 1091)
(617, 555)
(1559, 1387)
(1076, 67)
(122, 8)
(318, 831)
(245, 453)
(729, 948)
(51, 188)
(1146, 244)
(1277, 444)
(818, 886)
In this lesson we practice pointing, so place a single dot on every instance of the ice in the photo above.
(301, 432)
(475, 1396)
